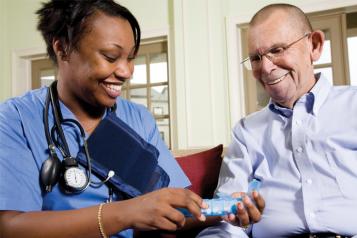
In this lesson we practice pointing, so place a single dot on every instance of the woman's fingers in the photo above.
(158, 209)
(190, 201)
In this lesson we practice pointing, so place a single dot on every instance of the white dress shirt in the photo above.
(306, 159)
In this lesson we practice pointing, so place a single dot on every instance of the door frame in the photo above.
(21, 69)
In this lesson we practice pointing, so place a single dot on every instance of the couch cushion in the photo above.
(202, 169)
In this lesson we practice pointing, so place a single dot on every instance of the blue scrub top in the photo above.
(23, 149)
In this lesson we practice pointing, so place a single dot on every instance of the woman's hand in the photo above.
(157, 210)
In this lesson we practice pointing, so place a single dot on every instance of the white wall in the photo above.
(201, 74)
(248, 8)
(204, 90)
(152, 14)
(3, 51)
(19, 32)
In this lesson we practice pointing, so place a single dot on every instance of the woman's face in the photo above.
(95, 71)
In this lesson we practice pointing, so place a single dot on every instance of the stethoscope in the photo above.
(67, 172)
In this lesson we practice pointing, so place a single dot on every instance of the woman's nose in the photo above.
(124, 69)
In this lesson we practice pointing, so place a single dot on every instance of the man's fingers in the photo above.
(259, 201)
(242, 215)
(231, 218)
(237, 194)
(252, 211)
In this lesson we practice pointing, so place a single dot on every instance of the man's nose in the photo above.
(267, 63)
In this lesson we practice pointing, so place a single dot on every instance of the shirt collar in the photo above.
(313, 99)
(320, 91)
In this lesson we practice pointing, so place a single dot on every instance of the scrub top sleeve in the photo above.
(166, 160)
(19, 183)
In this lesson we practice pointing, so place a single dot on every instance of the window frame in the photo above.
(149, 47)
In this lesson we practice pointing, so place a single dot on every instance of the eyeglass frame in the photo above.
(248, 63)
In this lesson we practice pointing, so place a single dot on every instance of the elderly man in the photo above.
(302, 146)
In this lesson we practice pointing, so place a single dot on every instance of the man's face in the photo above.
(291, 74)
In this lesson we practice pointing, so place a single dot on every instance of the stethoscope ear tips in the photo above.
(50, 173)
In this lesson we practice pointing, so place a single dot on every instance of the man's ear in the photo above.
(317, 40)
(60, 50)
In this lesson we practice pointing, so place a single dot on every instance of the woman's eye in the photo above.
(110, 58)
(131, 57)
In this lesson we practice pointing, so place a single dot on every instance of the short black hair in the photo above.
(66, 20)
(296, 15)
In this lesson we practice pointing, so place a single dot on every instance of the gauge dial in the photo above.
(75, 178)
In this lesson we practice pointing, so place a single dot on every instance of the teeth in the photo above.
(277, 80)
(113, 87)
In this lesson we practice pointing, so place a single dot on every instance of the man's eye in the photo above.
(254, 58)
(277, 50)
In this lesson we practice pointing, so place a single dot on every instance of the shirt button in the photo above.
(309, 181)
(299, 149)
(298, 122)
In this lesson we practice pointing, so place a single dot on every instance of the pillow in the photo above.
(203, 170)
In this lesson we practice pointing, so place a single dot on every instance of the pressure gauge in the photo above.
(75, 179)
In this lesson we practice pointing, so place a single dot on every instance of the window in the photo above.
(336, 62)
(43, 72)
(324, 64)
(149, 85)
(333, 61)
(352, 46)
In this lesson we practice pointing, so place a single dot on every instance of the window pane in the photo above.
(164, 129)
(327, 72)
(158, 68)
(352, 58)
(124, 93)
(326, 52)
(139, 75)
(159, 100)
(47, 76)
(139, 95)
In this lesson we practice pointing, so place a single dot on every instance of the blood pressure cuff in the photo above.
(115, 146)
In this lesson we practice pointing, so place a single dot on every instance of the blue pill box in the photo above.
(225, 204)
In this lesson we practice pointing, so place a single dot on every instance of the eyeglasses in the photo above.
(272, 54)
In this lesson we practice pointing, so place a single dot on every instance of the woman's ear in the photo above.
(59, 50)
(317, 40)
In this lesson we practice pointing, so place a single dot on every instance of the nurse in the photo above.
(93, 43)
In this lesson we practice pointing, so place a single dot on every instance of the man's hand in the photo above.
(247, 212)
